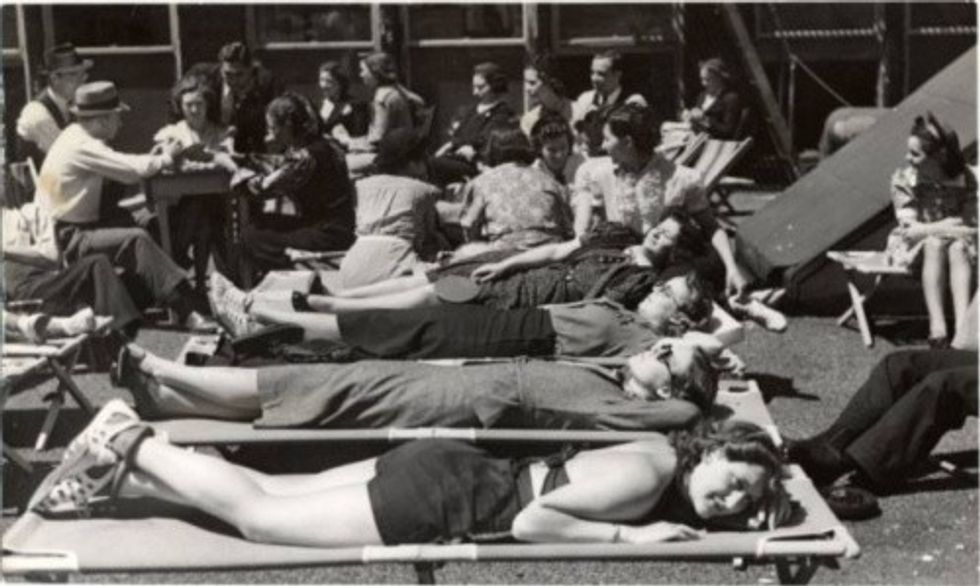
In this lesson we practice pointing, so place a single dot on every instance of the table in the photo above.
(863, 262)
(167, 188)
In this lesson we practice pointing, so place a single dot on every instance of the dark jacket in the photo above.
(249, 116)
(722, 118)
(472, 128)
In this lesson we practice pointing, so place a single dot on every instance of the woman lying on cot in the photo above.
(440, 490)
(666, 387)
(596, 327)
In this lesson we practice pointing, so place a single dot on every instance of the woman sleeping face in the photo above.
(660, 372)
(720, 487)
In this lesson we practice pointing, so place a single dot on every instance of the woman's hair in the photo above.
(636, 122)
(701, 385)
(508, 145)
(717, 67)
(940, 140)
(298, 113)
(192, 83)
(337, 73)
(382, 66)
(696, 312)
(737, 441)
(494, 76)
(236, 52)
(691, 240)
(542, 63)
(549, 127)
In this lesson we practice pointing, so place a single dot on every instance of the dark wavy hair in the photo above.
(701, 384)
(336, 72)
(508, 145)
(549, 127)
(297, 112)
(691, 240)
(638, 123)
(544, 65)
(696, 312)
(940, 140)
(191, 83)
(494, 76)
(737, 441)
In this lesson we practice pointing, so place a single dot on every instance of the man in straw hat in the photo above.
(43, 119)
(71, 189)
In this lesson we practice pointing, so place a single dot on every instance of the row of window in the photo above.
(149, 25)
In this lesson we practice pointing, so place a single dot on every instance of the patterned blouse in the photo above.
(638, 200)
(517, 206)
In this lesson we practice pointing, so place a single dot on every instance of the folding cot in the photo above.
(138, 540)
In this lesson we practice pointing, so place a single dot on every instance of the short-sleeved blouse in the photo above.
(516, 206)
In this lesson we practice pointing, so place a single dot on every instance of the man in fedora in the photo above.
(43, 119)
(87, 221)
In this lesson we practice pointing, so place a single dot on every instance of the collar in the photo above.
(485, 108)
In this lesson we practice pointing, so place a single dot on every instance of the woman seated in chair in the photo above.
(313, 176)
(196, 222)
(457, 160)
(393, 106)
(716, 111)
(935, 199)
(664, 489)
(341, 117)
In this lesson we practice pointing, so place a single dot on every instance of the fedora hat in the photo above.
(96, 98)
(64, 57)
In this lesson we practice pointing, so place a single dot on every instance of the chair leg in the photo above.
(18, 460)
(857, 304)
(54, 408)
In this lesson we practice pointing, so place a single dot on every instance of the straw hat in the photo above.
(97, 98)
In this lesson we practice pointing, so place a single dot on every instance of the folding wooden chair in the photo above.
(714, 160)
(863, 262)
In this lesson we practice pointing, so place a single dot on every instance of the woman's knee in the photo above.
(258, 521)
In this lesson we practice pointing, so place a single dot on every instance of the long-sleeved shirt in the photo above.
(71, 179)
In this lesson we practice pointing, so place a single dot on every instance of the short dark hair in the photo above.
(939, 139)
(717, 67)
(494, 76)
(190, 83)
(336, 72)
(614, 56)
(638, 123)
(696, 312)
(691, 240)
(549, 127)
(296, 111)
(508, 145)
(382, 65)
(236, 52)
(701, 385)
(544, 65)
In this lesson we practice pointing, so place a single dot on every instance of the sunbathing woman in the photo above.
(666, 387)
(442, 490)
(606, 262)
(596, 327)
(935, 200)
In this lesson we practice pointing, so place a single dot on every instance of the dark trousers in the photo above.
(128, 247)
(266, 240)
(900, 413)
(90, 281)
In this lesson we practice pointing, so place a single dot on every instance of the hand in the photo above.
(254, 185)
(695, 114)
(489, 272)
(172, 149)
(735, 283)
(659, 531)
(197, 152)
(467, 152)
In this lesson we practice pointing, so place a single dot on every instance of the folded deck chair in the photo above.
(139, 540)
(873, 263)
(55, 358)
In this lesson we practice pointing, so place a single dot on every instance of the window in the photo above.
(941, 17)
(94, 25)
(332, 23)
(9, 32)
(836, 20)
(604, 21)
(477, 21)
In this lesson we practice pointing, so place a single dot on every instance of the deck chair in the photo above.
(23, 362)
(681, 152)
(864, 262)
(19, 183)
(176, 540)
(713, 161)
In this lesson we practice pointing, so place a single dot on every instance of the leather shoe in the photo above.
(851, 503)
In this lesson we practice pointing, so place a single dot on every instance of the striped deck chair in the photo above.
(713, 161)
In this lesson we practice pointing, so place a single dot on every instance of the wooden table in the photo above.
(166, 189)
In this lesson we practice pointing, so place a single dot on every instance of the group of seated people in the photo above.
(581, 291)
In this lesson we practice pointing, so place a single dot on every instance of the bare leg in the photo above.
(960, 272)
(424, 296)
(316, 326)
(395, 285)
(934, 286)
(343, 514)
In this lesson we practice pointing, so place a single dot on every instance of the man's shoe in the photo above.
(230, 306)
(851, 503)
